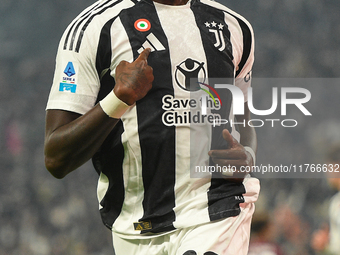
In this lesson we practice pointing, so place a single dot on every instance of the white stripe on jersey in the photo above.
(125, 51)
(172, 20)
(102, 187)
(133, 183)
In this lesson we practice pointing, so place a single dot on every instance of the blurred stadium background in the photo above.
(40, 215)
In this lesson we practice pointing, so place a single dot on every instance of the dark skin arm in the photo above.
(236, 155)
(72, 139)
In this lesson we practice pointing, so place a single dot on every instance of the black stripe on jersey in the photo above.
(208, 14)
(247, 43)
(109, 160)
(157, 141)
(219, 63)
(223, 196)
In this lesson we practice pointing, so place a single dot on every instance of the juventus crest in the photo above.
(217, 30)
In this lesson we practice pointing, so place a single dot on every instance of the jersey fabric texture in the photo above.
(145, 187)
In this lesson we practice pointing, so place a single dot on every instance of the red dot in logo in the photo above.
(142, 25)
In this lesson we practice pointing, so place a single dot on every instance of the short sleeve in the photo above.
(76, 81)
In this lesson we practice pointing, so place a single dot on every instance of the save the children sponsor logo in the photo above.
(187, 70)
(190, 75)
(205, 107)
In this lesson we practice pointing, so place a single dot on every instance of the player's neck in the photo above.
(172, 2)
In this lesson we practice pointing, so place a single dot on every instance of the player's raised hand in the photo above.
(134, 80)
(234, 156)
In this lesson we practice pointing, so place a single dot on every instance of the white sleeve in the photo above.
(76, 82)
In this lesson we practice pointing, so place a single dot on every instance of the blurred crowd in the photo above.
(40, 215)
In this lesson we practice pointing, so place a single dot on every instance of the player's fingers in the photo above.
(144, 55)
(227, 154)
(232, 163)
(229, 138)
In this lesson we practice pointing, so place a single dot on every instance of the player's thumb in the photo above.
(228, 138)
(143, 56)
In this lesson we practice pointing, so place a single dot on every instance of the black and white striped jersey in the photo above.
(144, 165)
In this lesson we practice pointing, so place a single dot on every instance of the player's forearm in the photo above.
(247, 132)
(72, 144)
